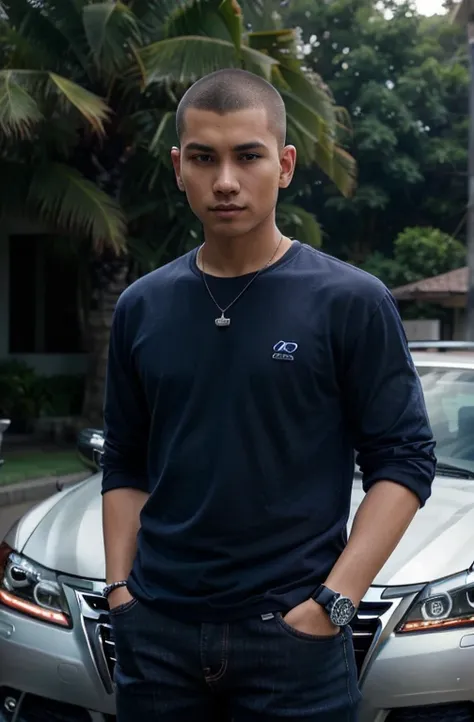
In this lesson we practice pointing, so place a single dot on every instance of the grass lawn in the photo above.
(37, 463)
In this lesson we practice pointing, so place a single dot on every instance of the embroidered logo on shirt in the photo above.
(284, 350)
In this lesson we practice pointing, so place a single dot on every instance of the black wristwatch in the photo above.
(341, 610)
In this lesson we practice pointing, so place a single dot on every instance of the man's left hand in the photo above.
(311, 618)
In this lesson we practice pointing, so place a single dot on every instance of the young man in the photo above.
(241, 379)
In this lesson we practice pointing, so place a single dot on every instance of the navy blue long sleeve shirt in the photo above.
(244, 436)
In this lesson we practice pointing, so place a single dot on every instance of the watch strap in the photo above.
(341, 610)
(325, 597)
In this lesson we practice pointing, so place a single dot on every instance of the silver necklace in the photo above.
(223, 321)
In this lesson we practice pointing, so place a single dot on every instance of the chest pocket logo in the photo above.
(284, 351)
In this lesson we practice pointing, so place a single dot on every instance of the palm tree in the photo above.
(88, 95)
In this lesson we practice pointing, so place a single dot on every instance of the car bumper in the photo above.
(427, 676)
(413, 673)
(55, 663)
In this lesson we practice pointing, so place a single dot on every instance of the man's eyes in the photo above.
(250, 156)
(206, 158)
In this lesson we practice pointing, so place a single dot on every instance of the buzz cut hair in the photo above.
(230, 90)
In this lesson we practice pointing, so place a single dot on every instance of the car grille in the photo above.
(107, 645)
(458, 712)
(98, 630)
(365, 628)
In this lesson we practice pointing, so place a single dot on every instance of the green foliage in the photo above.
(387, 269)
(88, 96)
(418, 253)
(67, 199)
(22, 92)
(26, 395)
(404, 79)
(63, 395)
(295, 222)
(21, 396)
(426, 252)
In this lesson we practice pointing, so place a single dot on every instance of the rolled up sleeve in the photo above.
(391, 431)
(126, 415)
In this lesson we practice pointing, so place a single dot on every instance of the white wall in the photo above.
(423, 330)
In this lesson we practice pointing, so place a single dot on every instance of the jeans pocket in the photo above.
(296, 634)
(351, 667)
(123, 608)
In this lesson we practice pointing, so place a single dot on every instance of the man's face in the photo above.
(231, 168)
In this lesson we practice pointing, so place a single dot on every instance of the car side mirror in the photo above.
(90, 448)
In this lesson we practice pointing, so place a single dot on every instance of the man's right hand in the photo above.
(118, 597)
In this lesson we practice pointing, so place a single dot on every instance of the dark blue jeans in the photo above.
(256, 670)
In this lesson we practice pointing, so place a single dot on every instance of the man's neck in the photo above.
(228, 257)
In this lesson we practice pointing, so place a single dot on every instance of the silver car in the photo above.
(414, 634)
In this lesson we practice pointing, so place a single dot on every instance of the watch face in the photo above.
(343, 612)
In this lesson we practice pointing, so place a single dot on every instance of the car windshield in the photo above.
(449, 396)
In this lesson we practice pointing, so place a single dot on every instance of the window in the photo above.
(43, 297)
(449, 396)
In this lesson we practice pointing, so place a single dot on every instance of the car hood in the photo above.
(440, 541)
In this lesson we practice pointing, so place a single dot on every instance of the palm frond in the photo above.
(258, 63)
(63, 197)
(313, 123)
(304, 144)
(23, 94)
(260, 14)
(315, 143)
(298, 223)
(341, 168)
(57, 138)
(313, 92)
(90, 106)
(165, 136)
(24, 53)
(110, 28)
(150, 255)
(200, 17)
(275, 42)
(185, 59)
(166, 229)
(19, 112)
(50, 25)
(152, 12)
(343, 119)
(231, 12)
(212, 18)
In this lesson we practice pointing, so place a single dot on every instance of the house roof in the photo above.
(447, 284)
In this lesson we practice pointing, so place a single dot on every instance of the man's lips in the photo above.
(230, 211)
(227, 209)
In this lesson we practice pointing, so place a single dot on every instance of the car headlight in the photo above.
(30, 588)
(446, 604)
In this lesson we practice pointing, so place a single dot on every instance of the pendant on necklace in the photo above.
(222, 321)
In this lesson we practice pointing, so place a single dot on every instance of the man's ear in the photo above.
(176, 160)
(287, 165)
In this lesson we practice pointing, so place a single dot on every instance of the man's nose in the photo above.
(226, 181)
